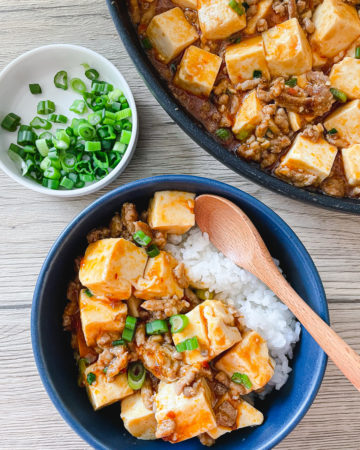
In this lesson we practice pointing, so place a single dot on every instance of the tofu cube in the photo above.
(214, 328)
(138, 420)
(170, 33)
(98, 315)
(352, 49)
(243, 58)
(247, 416)
(346, 120)
(249, 115)
(351, 161)
(345, 76)
(192, 415)
(192, 4)
(263, 9)
(287, 50)
(110, 266)
(251, 357)
(197, 71)
(308, 160)
(218, 20)
(298, 121)
(159, 280)
(337, 25)
(103, 393)
(172, 211)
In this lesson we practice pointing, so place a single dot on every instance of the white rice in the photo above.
(262, 310)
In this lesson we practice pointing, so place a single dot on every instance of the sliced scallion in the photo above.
(78, 85)
(223, 133)
(357, 52)
(61, 80)
(188, 344)
(46, 107)
(152, 251)
(92, 74)
(291, 82)
(238, 8)
(38, 123)
(178, 323)
(35, 88)
(241, 378)
(156, 327)
(91, 378)
(136, 375)
(339, 95)
(141, 238)
(10, 122)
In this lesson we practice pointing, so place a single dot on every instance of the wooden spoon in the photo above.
(232, 232)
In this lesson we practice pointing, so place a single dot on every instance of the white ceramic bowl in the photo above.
(39, 66)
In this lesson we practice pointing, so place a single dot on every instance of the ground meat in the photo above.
(188, 375)
(72, 307)
(281, 120)
(118, 363)
(336, 140)
(301, 6)
(192, 298)
(180, 275)
(116, 226)
(300, 178)
(129, 215)
(147, 394)
(237, 390)
(308, 25)
(218, 389)
(292, 9)
(159, 239)
(167, 307)
(206, 440)
(261, 25)
(140, 337)
(223, 379)
(279, 7)
(334, 186)
(165, 428)
(104, 360)
(226, 415)
(98, 233)
(248, 84)
(313, 132)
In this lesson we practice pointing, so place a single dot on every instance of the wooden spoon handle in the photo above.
(346, 359)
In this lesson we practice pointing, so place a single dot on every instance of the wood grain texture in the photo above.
(31, 222)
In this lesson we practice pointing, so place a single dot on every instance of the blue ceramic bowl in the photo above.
(103, 429)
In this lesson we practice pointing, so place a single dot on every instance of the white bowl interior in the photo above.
(39, 66)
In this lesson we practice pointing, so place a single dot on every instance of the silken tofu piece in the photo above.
(110, 266)
(214, 328)
(308, 161)
(172, 211)
(298, 121)
(345, 76)
(243, 58)
(248, 116)
(218, 20)
(250, 357)
(192, 415)
(159, 280)
(337, 25)
(98, 315)
(263, 9)
(197, 71)
(346, 120)
(192, 4)
(351, 160)
(169, 33)
(103, 393)
(247, 416)
(287, 50)
(138, 420)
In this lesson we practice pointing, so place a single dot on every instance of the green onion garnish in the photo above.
(339, 95)
(242, 135)
(46, 107)
(235, 6)
(89, 293)
(257, 74)
(92, 74)
(38, 123)
(357, 53)
(78, 85)
(156, 327)
(61, 80)
(79, 106)
(35, 88)
(91, 378)
(26, 136)
(118, 342)
(241, 378)
(146, 44)
(136, 375)
(189, 344)
(332, 131)
(153, 249)
(10, 122)
(129, 330)
(291, 82)
(204, 294)
(125, 137)
(92, 146)
(223, 133)
(50, 184)
(141, 238)
(178, 323)
(67, 183)
(42, 147)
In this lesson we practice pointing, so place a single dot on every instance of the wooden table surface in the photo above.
(31, 222)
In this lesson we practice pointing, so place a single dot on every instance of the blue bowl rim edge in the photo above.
(69, 418)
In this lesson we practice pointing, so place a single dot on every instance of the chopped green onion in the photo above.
(50, 184)
(257, 74)
(118, 342)
(18, 160)
(189, 344)
(119, 147)
(85, 66)
(123, 114)
(107, 132)
(332, 131)
(130, 322)
(223, 133)
(92, 146)
(156, 327)
(136, 375)
(204, 294)
(61, 80)
(235, 6)
(141, 238)
(152, 251)
(38, 123)
(45, 163)
(241, 378)
(101, 87)
(94, 118)
(52, 173)
(146, 43)
(178, 323)
(91, 378)
(129, 330)
(67, 183)
(101, 160)
(42, 147)
(68, 161)
(357, 53)
(86, 177)
(46, 107)
(26, 136)
(86, 131)
(82, 363)
(10, 122)
(126, 125)
(58, 118)
(79, 106)
(78, 85)
(35, 88)
(125, 137)
(79, 184)
(87, 291)
(115, 95)
(242, 135)
(339, 95)
(61, 140)
(92, 74)
(291, 82)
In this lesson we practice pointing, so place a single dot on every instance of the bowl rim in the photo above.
(204, 139)
(29, 184)
(144, 183)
